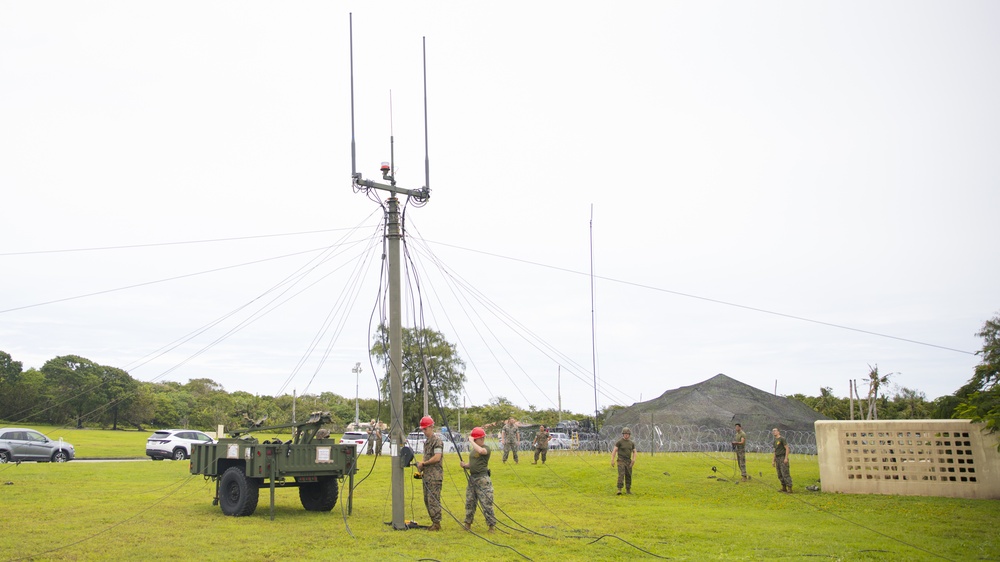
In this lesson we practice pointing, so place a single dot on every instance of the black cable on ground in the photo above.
(628, 543)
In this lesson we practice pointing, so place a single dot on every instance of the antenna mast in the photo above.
(394, 234)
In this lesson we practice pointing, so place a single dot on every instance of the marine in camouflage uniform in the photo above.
(624, 454)
(511, 438)
(480, 489)
(781, 453)
(740, 446)
(433, 472)
(541, 444)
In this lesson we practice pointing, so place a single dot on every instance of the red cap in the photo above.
(426, 422)
(477, 432)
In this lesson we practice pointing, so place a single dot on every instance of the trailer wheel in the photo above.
(319, 496)
(237, 494)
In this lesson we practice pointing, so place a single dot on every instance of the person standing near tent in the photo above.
(480, 488)
(624, 453)
(511, 438)
(433, 472)
(541, 444)
(780, 462)
(740, 446)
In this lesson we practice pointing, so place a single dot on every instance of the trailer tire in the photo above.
(319, 496)
(238, 494)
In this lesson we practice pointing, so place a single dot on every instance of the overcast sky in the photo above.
(784, 192)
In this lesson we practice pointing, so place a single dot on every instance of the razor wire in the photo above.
(667, 438)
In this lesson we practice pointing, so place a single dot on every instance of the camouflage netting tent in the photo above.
(701, 417)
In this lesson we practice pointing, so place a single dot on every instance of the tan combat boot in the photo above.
(434, 527)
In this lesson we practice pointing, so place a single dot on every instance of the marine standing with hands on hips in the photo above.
(480, 488)
(432, 471)
(624, 454)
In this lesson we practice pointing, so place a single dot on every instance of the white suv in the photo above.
(559, 441)
(174, 443)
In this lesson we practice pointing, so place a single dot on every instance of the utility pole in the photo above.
(394, 233)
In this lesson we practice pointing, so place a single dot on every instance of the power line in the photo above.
(707, 299)
(155, 244)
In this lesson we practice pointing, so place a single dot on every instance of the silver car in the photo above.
(23, 444)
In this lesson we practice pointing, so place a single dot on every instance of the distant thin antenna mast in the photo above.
(593, 322)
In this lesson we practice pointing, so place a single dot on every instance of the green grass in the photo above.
(564, 510)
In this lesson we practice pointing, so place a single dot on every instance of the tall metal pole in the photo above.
(426, 368)
(357, 410)
(393, 235)
(593, 321)
(396, 435)
(559, 390)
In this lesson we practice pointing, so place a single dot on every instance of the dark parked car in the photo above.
(23, 444)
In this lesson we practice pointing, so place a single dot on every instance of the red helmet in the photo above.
(477, 432)
(426, 422)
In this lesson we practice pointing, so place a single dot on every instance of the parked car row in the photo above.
(360, 440)
(23, 444)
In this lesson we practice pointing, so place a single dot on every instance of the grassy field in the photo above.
(565, 510)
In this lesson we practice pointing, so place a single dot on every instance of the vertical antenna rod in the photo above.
(354, 166)
(427, 162)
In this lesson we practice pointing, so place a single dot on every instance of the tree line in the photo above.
(72, 390)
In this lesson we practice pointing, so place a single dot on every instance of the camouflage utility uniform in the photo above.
(480, 489)
(511, 439)
(625, 449)
(433, 475)
(740, 444)
(541, 444)
(784, 475)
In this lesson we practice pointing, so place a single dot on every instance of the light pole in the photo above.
(357, 375)
(426, 368)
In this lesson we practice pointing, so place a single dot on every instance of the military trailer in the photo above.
(241, 465)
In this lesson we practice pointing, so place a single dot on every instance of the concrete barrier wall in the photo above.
(951, 458)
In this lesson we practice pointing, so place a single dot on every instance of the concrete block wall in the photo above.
(951, 458)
